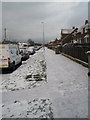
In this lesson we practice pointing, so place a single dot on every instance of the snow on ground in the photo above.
(68, 81)
(38, 108)
(30, 74)
(66, 91)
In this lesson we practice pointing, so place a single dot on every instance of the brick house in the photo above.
(82, 35)
(53, 43)
(75, 35)
(67, 35)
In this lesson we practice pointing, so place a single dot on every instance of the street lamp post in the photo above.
(89, 31)
(5, 34)
(43, 33)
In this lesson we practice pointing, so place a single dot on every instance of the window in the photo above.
(11, 52)
(16, 52)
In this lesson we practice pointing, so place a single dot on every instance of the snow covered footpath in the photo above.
(63, 95)
(68, 82)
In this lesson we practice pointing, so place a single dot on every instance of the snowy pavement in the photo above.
(68, 82)
(65, 93)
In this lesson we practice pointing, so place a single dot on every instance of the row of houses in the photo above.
(74, 36)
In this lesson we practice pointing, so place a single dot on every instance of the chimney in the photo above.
(86, 22)
(73, 27)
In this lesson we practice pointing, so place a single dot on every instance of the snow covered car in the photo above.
(9, 55)
(24, 53)
(37, 48)
(31, 50)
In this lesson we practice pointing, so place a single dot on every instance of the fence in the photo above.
(78, 52)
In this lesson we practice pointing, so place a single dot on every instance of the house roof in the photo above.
(84, 26)
(69, 37)
(51, 41)
(86, 36)
(66, 31)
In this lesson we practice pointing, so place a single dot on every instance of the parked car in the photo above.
(37, 48)
(31, 50)
(24, 53)
(9, 55)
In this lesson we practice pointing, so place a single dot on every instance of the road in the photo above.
(66, 87)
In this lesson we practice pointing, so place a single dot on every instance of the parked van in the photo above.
(9, 55)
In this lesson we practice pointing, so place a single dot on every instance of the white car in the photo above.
(31, 50)
(9, 56)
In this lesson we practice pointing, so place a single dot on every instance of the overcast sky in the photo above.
(23, 19)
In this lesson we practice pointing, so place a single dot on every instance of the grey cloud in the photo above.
(23, 19)
(0, 20)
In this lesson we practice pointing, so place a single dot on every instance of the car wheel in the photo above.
(21, 62)
(88, 73)
(13, 68)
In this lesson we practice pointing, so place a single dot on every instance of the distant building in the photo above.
(53, 43)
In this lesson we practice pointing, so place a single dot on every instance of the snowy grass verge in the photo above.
(38, 108)
(30, 74)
